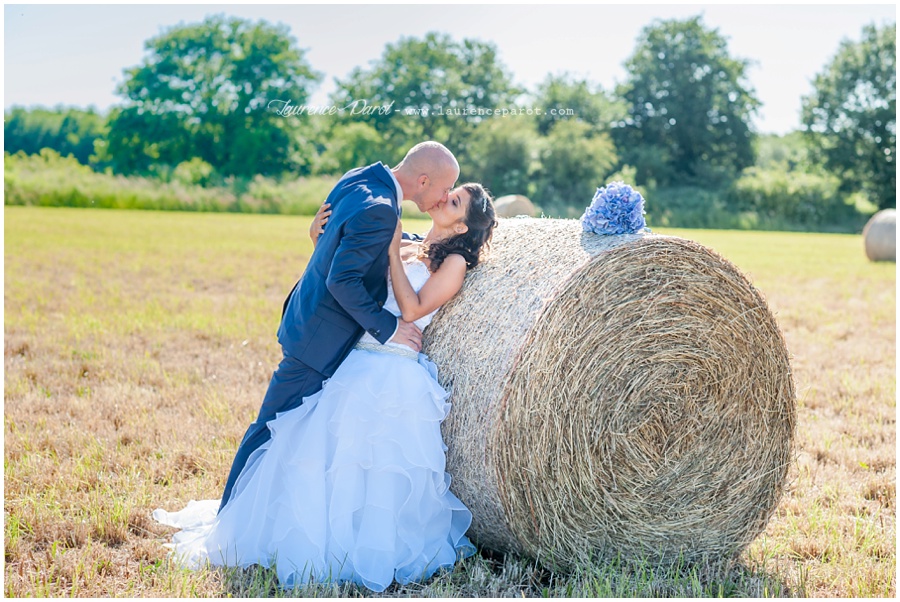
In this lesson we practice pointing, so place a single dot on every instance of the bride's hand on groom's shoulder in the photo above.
(318, 224)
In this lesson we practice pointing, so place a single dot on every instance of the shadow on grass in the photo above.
(495, 575)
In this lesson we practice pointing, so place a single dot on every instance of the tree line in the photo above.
(208, 106)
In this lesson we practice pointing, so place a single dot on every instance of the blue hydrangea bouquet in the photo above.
(617, 208)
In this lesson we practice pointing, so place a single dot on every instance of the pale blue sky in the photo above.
(75, 54)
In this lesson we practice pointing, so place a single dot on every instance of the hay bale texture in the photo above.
(612, 395)
(880, 236)
(513, 205)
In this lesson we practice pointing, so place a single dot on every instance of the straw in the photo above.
(621, 396)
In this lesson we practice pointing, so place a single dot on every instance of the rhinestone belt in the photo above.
(401, 351)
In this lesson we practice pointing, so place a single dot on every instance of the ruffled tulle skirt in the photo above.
(351, 487)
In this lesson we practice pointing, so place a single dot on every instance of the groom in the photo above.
(344, 286)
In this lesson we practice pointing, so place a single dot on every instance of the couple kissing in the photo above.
(342, 475)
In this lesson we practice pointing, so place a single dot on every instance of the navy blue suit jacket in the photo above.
(343, 289)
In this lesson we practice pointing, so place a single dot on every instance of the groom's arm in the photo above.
(366, 237)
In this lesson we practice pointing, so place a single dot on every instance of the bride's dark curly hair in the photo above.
(481, 221)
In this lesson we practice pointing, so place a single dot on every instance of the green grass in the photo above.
(772, 257)
(138, 345)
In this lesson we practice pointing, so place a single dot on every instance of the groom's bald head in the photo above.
(430, 157)
(427, 173)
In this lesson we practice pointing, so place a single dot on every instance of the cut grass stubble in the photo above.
(138, 346)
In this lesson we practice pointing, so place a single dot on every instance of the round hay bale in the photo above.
(512, 205)
(880, 236)
(612, 395)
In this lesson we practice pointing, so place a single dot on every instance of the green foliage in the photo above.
(789, 189)
(196, 171)
(502, 155)
(200, 129)
(761, 199)
(589, 104)
(798, 198)
(351, 145)
(294, 196)
(652, 163)
(689, 107)
(206, 90)
(690, 206)
(68, 131)
(424, 78)
(573, 162)
(49, 180)
(852, 114)
(627, 174)
(789, 152)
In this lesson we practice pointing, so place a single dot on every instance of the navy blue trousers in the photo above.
(291, 382)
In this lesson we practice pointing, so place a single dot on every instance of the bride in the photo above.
(352, 484)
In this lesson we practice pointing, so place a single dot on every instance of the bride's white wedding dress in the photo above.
(352, 485)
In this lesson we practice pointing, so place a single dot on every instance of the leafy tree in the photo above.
(69, 131)
(194, 172)
(206, 90)
(790, 152)
(351, 145)
(573, 163)
(429, 89)
(689, 106)
(139, 139)
(851, 117)
(589, 104)
(502, 155)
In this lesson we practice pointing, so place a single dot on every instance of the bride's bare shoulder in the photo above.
(453, 262)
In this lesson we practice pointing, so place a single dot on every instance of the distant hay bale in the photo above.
(612, 395)
(512, 205)
(880, 236)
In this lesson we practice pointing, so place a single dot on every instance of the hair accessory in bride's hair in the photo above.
(484, 205)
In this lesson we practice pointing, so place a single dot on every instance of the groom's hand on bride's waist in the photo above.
(408, 334)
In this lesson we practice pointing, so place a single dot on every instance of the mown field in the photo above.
(138, 346)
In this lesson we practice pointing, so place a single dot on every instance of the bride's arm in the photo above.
(440, 287)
